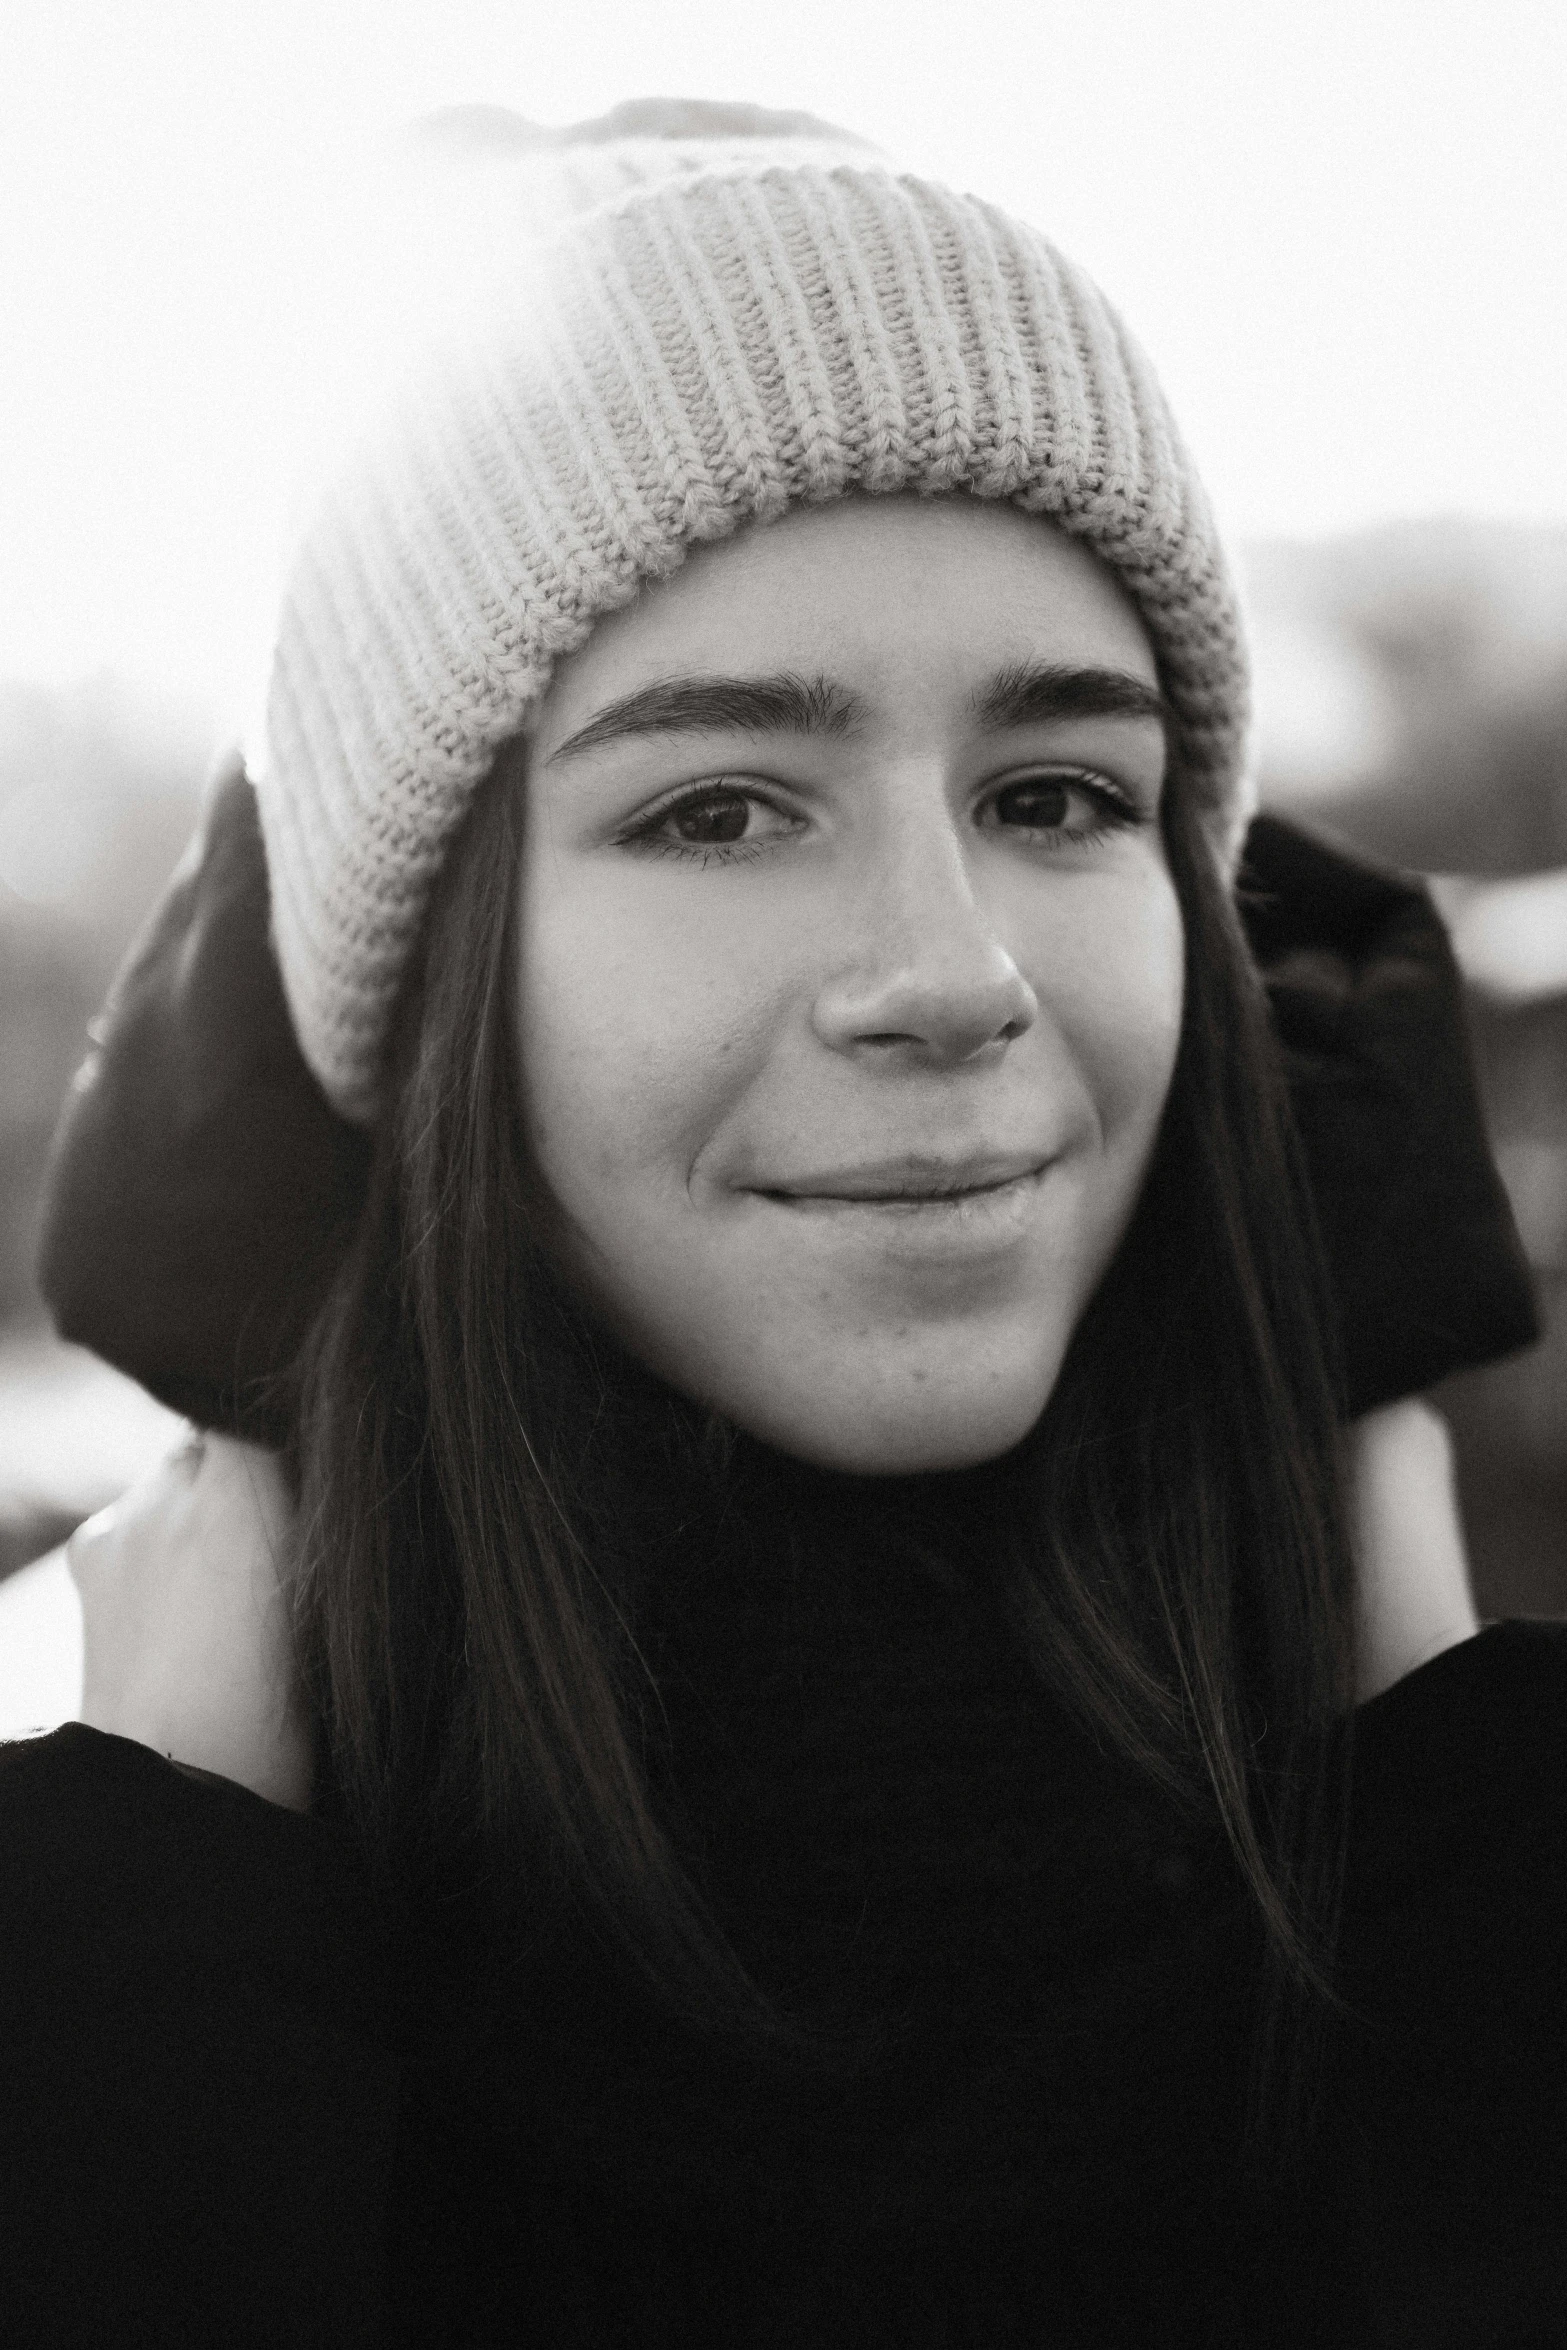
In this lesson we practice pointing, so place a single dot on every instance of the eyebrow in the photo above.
(1030, 691)
(1023, 694)
(782, 704)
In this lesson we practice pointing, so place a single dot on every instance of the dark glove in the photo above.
(202, 1190)
(1423, 1256)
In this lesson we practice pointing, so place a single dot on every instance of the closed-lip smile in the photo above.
(909, 1181)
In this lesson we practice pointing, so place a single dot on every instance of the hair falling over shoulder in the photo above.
(479, 1474)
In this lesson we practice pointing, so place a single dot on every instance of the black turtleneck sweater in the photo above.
(239, 2106)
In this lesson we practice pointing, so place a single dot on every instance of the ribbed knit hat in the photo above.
(703, 316)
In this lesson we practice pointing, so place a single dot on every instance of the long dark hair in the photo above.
(1169, 1538)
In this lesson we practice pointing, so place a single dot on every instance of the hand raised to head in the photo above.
(186, 1628)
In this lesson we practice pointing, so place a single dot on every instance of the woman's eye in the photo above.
(717, 818)
(707, 823)
(1080, 806)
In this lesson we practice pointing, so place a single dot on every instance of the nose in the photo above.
(927, 979)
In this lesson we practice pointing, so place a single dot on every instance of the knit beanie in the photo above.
(698, 317)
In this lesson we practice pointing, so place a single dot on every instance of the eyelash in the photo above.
(646, 836)
(1116, 813)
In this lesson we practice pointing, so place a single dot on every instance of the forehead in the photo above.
(878, 591)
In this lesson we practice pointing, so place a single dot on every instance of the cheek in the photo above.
(1110, 975)
(636, 1034)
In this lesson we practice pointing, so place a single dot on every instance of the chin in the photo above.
(927, 1435)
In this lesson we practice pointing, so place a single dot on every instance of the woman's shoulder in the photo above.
(119, 1863)
(1485, 1721)
(192, 2028)
(1459, 1778)
(1454, 1976)
(1506, 1659)
(83, 1802)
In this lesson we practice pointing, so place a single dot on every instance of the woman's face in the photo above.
(851, 970)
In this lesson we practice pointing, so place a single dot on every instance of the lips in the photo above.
(911, 1179)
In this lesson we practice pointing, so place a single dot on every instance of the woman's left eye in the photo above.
(1074, 807)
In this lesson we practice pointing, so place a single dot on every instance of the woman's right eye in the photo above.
(707, 823)
(715, 820)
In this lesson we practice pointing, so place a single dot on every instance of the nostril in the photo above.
(946, 1015)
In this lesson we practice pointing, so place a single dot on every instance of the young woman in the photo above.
(804, 1642)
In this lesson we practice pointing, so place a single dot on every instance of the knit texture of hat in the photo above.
(710, 314)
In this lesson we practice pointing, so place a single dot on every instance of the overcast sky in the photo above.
(1338, 227)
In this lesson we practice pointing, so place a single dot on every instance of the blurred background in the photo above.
(1338, 229)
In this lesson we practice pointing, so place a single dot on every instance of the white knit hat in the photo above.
(708, 315)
